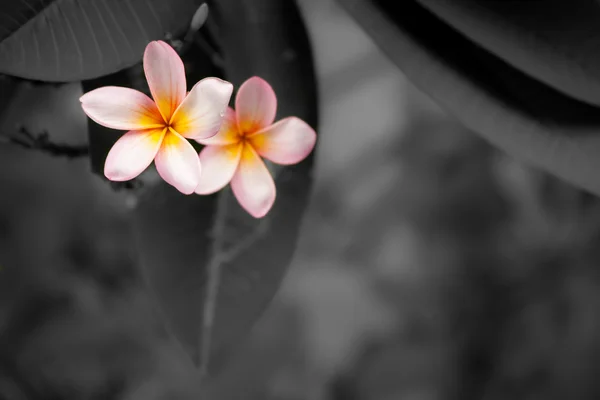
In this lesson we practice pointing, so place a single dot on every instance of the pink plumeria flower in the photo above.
(158, 129)
(247, 133)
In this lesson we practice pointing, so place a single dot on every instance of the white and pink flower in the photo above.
(247, 134)
(235, 140)
(158, 129)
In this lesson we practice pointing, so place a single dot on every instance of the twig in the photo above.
(199, 18)
(41, 142)
(133, 184)
(181, 46)
(194, 36)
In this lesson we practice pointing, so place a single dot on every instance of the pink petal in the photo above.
(121, 108)
(177, 163)
(253, 185)
(166, 77)
(218, 166)
(201, 113)
(132, 154)
(228, 134)
(255, 105)
(285, 142)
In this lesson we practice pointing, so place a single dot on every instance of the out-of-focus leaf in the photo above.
(520, 114)
(554, 41)
(179, 236)
(71, 40)
(268, 38)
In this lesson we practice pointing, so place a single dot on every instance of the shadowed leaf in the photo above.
(553, 41)
(101, 139)
(181, 237)
(8, 87)
(71, 40)
(525, 117)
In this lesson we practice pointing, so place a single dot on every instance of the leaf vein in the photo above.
(73, 37)
(53, 34)
(108, 33)
(92, 31)
(153, 11)
(137, 20)
(114, 19)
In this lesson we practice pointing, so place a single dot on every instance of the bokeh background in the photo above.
(430, 265)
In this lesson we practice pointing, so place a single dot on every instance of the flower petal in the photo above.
(201, 113)
(255, 105)
(252, 184)
(177, 163)
(285, 142)
(228, 134)
(219, 163)
(132, 154)
(121, 108)
(166, 77)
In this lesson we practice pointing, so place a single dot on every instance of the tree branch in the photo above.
(42, 142)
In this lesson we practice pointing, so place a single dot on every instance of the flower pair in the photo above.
(234, 140)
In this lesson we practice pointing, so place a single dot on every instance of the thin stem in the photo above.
(41, 142)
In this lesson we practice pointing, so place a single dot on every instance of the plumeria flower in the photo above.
(158, 129)
(234, 154)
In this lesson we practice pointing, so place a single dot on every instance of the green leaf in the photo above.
(521, 115)
(71, 40)
(184, 240)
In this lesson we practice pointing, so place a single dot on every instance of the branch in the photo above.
(193, 35)
(133, 184)
(41, 142)
(181, 46)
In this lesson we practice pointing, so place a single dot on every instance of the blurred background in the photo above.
(430, 266)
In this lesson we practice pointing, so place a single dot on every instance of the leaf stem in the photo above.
(214, 278)
(220, 257)
(210, 305)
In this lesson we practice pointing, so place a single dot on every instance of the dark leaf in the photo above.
(554, 41)
(520, 114)
(8, 87)
(180, 238)
(71, 40)
(101, 139)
